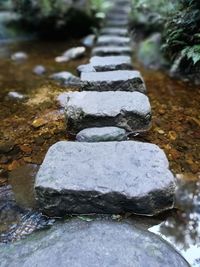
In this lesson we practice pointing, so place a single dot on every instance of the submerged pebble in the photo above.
(72, 53)
(15, 96)
(19, 56)
(39, 70)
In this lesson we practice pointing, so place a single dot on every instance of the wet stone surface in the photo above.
(101, 134)
(135, 179)
(117, 23)
(128, 110)
(114, 31)
(111, 63)
(112, 51)
(95, 243)
(121, 80)
(104, 40)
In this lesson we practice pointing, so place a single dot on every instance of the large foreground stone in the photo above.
(105, 40)
(112, 51)
(101, 134)
(111, 63)
(121, 80)
(128, 110)
(104, 177)
(99, 243)
(114, 31)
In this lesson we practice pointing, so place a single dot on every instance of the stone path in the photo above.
(101, 173)
(109, 175)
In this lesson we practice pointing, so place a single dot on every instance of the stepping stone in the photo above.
(119, 80)
(104, 178)
(117, 23)
(114, 31)
(128, 110)
(112, 51)
(111, 63)
(96, 243)
(105, 40)
(103, 134)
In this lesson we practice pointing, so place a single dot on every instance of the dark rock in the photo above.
(114, 31)
(103, 134)
(105, 40)
(97, 243)
(66, 78)
(19, 56)
(110, 177)
(6, 146)
(89, 40)
(39, 70)
(72, 53)
(128, 110)
(121, 80)
(112, 51)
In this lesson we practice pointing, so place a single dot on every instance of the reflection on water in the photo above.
(182, 228)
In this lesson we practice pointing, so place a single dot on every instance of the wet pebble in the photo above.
(89, 40)
(39, 70)
(19, 56)
(15, 96)
(71, 53)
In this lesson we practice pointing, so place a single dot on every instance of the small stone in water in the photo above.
(89, 40)
(101, 134)
(19, 56)
(39, 70)
(15, 96)
(72, 53)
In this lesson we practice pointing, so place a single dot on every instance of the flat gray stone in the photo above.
(105, 40)
(97, 243)
(128, 110)
(114, 31)
(101, 134)
(112, 51)
(98, 64)
(103, 178)
(117, 23)
(119, 80)
(111, 63)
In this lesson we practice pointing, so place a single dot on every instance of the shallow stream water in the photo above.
(29, 126)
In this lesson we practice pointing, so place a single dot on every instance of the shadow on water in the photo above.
(30, 126)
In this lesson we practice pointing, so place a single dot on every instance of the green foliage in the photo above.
(182, 35)
(192, 52)
(55, 18)
(99, 5)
